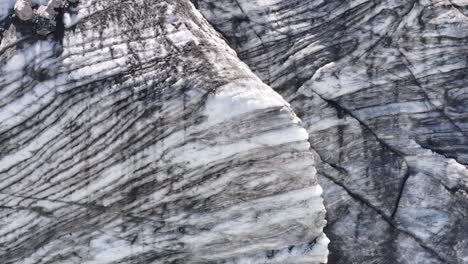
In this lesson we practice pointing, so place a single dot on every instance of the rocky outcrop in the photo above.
(42, 19)
(381, 88)
(133, 134)
(23, 9)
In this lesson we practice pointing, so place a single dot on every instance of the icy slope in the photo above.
(134, 134)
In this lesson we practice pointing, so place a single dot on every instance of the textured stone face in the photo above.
(23, 9)
(134, 134)
(39, 17)
(381, 88)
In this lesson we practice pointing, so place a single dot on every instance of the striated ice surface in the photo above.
(381, 88)
(198, 131)
(134, 134)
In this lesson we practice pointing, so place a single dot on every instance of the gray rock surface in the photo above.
(381, 87)
(23, 9)
(133, 134)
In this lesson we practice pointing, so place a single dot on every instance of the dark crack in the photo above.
(383, 144)
(408, 66)
(400, 192)
(389, 220)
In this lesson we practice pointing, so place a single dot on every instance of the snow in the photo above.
(6, 6)
(32, 54)
(240, 97)
(16, 63)
(181, 38)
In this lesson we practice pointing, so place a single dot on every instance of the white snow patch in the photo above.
(32, 54)
(70, 20)
(16, 63)
(181, 38)
(240, 97)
